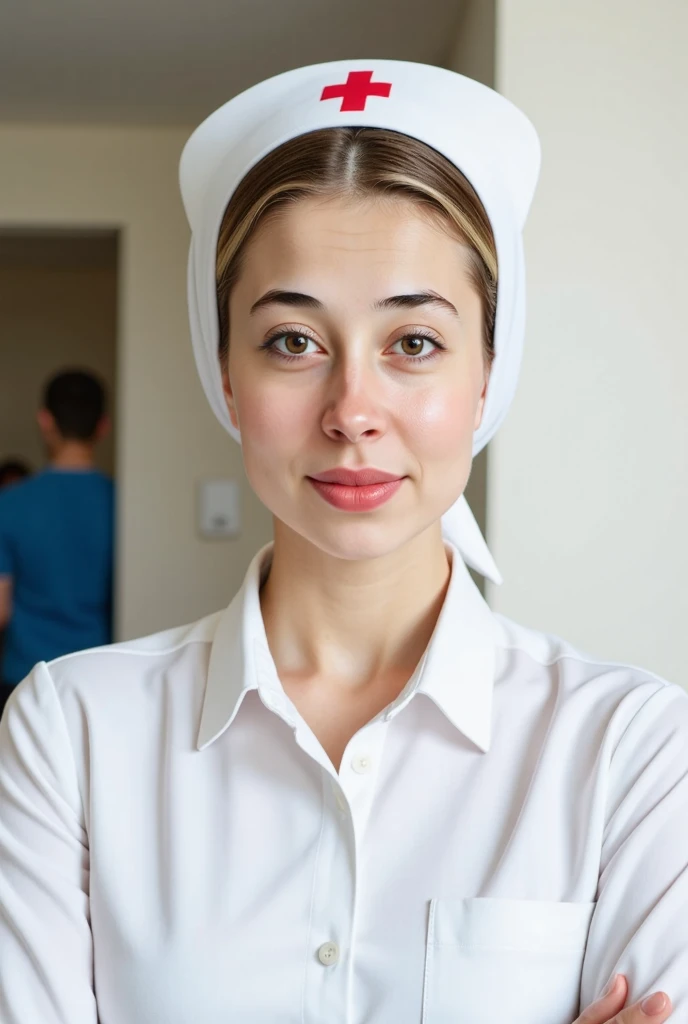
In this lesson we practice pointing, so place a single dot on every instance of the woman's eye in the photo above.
(294, 344)
(413, 347)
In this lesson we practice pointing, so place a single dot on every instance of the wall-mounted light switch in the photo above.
(219, 511)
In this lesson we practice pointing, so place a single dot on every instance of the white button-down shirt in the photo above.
(177, 848)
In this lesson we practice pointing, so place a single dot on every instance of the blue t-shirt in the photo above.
(56, 542)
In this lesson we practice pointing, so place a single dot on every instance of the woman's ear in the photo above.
(229, 397)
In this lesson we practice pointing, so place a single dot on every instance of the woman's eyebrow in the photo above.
(276, 297)
(412, 301)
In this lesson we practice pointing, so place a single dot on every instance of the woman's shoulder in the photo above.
(128, 661)
(114, 698)
(537, 659)
(100, 679)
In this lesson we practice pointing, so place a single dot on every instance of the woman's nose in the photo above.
(355, 411)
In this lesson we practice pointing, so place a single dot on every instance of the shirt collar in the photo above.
(456, 671)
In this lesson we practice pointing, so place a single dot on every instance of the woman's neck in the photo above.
(352, 623)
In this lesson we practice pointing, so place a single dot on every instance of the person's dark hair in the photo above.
(76, 400)
(12, 471)
(358, 163)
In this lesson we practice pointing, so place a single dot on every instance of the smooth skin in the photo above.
(356, 341)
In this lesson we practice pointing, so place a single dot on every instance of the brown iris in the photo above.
(415, 344)
(295, 343)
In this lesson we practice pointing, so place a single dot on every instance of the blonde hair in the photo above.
(358, 163)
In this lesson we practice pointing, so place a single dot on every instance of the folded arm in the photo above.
(640, 924)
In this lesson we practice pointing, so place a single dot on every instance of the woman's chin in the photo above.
(360, 541)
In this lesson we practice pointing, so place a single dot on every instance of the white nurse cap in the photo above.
(491, 142)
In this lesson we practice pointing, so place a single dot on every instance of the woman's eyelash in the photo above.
(269, 345)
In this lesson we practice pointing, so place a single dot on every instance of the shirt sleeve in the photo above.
(46, 959)
(640, 924)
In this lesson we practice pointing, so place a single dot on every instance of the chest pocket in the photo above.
(493, 960)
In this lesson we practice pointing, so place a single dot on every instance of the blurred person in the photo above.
(355, 794)
(56, 536)
(13, 471)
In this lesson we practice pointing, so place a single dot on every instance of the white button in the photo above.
(361, 764)
(328, 953)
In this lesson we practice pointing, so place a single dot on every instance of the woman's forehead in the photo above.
(383, 216)
(368, 242)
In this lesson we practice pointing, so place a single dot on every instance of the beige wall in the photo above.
(51, 317)
(588, 480)
(474, 51)
(167, 438)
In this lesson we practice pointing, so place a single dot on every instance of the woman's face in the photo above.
(355, 342)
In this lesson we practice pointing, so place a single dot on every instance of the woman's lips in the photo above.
(356, 499)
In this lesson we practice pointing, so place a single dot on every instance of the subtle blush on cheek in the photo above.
(272, 423)
(436, 418)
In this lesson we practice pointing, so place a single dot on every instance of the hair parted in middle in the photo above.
(358, 163)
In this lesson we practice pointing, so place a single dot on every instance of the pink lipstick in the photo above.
(356, 490)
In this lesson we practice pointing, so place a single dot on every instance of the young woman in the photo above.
(356, 795)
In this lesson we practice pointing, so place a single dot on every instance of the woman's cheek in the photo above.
(270, 418)
(274, 430)
(440, 423)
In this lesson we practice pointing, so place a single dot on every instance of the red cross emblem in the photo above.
(356, 90)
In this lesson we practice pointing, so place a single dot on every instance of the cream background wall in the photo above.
(167, 439)
(588, 479)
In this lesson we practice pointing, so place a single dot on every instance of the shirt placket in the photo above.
(347, 801)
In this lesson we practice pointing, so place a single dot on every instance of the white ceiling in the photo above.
(173, 61)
